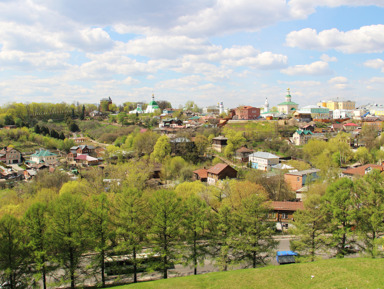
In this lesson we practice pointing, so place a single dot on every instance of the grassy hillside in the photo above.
(334, 273)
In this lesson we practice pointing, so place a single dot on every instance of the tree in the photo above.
(161, 150)
(82, 116)
(253, 240)
(223, 237)
(73, 127)
(309, 228)
(363, 155)
(99, 220)
(144, 143)
(195, 223)
(67, 232)
(201, 143)
(36, 224)
(370, 212)
(339, 206)
(131, 225)
(166, 212)
(12, 251)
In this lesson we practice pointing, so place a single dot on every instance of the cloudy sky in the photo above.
(235, 51)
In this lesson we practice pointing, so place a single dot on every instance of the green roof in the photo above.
(43, 153)
(305, 132)
(154, 104)
(288, 103)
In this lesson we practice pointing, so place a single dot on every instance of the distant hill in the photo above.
(334, 273)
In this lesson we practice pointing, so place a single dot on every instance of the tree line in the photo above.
(346, 219)
(182, 226)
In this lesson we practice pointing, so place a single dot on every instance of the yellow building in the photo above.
(332, 104)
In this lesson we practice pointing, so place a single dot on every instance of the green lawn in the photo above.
(335, 273)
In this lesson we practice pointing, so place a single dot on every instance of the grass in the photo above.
(334, 273)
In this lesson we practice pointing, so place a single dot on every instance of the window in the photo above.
(284, 216)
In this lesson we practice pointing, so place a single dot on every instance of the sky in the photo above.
(238, 52)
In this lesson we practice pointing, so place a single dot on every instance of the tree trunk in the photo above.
(134, 265)
(194, 253)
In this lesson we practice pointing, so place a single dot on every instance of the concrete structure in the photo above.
(263, 161)
(297, 180)
(152, 106)
(318, 112)
(287, 107)
(246, 113)
(10, 155)
(342, 114)
(338, 104)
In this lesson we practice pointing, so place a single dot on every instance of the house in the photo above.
(296, 180)
(348, 127)
(263, 160)
(43, 156)
(10, 155)
(29, 174)
(86, 160)
(301, 137)
(220, 171)
(246, 113)
(81, 149)
(302, 116)
(361, 170)
(317, 112)
(200, 175)
(243, 153)
(219, 143)
(283, 213)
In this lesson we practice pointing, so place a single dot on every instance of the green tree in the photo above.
(12, 251)
(309, 228)
(195, 223)
(161, 150)
(99, 221)
(131, 225)
(166, 212)
(223, 238)
(201, 143)
(68, 233)
(363, 155)
(339, 205)
(253, 240)
(35, 225)
(370, 202)
(144, 143)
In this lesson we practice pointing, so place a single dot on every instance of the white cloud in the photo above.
(315, 68)
(303, 8)
(339, 82)
(375, 63)
(367, 39)
(327, 58)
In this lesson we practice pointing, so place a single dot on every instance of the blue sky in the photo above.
(238, 52)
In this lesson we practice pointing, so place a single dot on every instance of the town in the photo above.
(214, 170)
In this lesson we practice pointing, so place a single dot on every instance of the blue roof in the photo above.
(286, 253)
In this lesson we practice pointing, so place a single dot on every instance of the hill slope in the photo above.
(335, 273)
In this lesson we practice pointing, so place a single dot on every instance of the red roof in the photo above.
(202, 173)
(81, 157)
(287, 206)
(362, 170)
(350, 124)
(217, 169)
(244, 150)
